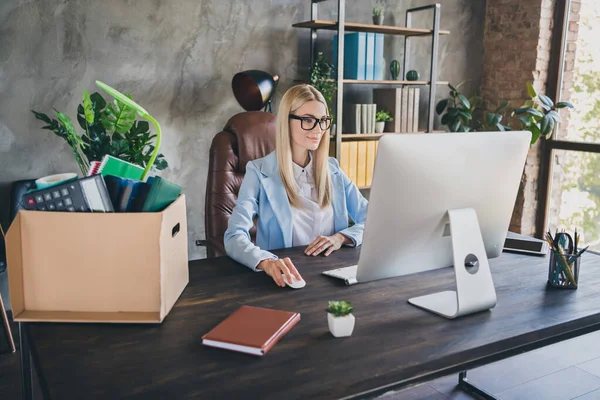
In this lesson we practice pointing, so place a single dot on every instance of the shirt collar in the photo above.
(306, 171)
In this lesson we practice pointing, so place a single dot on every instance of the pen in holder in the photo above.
(565, 259)
(563, 271)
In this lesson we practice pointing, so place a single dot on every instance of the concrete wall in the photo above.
(177, 59)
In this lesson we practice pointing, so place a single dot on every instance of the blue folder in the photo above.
(370, 56)
(354, 55)
(379, 66)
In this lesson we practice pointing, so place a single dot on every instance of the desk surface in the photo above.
(392, 341)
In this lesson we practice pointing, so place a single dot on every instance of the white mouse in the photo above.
(295, 284)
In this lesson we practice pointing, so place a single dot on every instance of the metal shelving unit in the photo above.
(341, 26)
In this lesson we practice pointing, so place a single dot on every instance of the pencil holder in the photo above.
(563, 271)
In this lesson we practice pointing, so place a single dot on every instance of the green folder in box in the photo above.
(119, 168)
(162, 193)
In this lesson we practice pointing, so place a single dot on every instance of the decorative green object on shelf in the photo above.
(412, 75)
(383, 116)
(395, 69)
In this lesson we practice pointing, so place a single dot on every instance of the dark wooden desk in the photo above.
(393, 344)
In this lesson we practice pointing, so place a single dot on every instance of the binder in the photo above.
(370, 56)
(162, 193)
(354, 55)
(379, 65)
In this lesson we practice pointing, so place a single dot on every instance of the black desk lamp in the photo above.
(254, 89)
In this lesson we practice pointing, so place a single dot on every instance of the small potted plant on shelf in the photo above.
(381, 118)
(340, 318)
(378, 12)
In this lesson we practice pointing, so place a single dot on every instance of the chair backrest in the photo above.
(245, 137)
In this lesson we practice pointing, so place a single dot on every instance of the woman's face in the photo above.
(306, 133)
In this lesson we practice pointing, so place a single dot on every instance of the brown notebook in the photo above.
(251, 330)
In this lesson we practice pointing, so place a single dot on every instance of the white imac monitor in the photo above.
(418, 179)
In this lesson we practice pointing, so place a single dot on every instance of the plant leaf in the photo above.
(465, 114)
(529, 110)
(554, 115)
(502, 106)
(88, 108)
(118, 117)
(546, 100)
(535, 133)
(452, 111)
(563, 104)
(546, 124)
(530, 90)
(455, 126)
(446, 119)
(441, 106)
(464, 101)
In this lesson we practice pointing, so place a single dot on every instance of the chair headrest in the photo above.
(255, 134)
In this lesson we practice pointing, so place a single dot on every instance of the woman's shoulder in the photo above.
(261, 163)
(334, 163)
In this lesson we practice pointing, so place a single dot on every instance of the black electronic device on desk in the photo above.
(525, 245)
(87, 194)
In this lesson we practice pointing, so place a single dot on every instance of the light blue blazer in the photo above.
(262, 193)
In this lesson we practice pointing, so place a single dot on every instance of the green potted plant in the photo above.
(321, 78)
(381, 117)
(538, 115)
(340, 318)
(378, 12)
(109, 128)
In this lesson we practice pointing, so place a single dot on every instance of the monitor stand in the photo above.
(475, 287)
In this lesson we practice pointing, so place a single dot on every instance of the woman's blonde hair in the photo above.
(293, 99)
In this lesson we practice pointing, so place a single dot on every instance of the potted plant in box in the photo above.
(340, 318)
(381, 117)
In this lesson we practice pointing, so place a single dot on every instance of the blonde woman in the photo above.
(301, 196)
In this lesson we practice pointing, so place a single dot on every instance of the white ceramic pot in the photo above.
(379, 126)
(340, 326)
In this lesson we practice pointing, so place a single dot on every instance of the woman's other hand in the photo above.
(329, 244)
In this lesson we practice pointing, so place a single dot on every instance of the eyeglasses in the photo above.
(309, 123)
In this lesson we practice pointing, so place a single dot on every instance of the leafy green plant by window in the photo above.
(339, 308)
(383, 116)
(538, 114)
(378, 10)
(321, 78)
(107, 129)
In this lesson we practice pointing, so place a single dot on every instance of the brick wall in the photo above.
(516, 51)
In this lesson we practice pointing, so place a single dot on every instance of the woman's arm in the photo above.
(237, 237)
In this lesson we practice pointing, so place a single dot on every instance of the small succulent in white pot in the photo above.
(340, 318)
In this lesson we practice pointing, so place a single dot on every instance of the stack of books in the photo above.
(403, 104)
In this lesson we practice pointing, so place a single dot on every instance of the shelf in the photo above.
(356, 27)
(373, 82)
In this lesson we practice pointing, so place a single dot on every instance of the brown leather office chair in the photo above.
(245, 137)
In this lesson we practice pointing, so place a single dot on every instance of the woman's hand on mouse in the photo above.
(276, 268)
(329, 244)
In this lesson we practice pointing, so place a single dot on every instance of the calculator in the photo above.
(82, 195)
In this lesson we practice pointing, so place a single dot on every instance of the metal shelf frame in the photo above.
(436, 8)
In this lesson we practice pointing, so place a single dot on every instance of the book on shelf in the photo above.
(370, 56)
(403, 105)
(354, 55)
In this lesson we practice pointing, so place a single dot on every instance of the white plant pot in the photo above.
(379, 126)
(340, 326)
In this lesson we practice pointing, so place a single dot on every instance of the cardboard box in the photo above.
(97, 267)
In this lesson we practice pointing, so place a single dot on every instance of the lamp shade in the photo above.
(253, 89)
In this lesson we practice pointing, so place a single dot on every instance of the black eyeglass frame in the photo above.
(316, 120)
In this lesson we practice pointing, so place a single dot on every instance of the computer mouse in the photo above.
(295, 284)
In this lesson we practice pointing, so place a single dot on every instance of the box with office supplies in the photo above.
(97, 266)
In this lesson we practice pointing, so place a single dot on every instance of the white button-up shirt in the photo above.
(310, 220)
